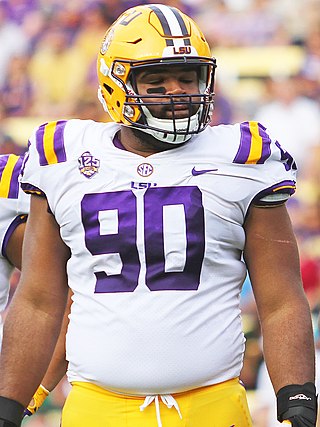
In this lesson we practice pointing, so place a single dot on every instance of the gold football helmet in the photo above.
(148, 36)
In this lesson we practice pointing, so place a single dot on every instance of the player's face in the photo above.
(170, 80)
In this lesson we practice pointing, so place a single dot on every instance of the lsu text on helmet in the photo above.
(150, 36)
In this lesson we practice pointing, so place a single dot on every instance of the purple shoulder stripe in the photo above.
(266, 144)
(245, 143)
(10, 166)
(50, 143)
(254, 145)
(3, 162)
(14, 185)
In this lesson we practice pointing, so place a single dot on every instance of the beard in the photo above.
(174, 110)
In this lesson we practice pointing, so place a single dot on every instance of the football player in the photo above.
(14, 209)
(163, 217)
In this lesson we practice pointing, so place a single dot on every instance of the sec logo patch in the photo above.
(145, 169)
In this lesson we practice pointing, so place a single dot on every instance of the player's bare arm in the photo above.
(36, 304)
(58, 364)
(57, 367)
(272, 258)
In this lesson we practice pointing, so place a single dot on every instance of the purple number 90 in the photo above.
(171, 244)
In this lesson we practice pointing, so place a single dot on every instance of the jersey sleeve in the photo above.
(14, 204)
(271, 164)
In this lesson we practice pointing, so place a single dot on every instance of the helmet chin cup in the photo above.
(171, 131)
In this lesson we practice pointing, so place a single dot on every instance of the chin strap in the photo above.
(164, 126)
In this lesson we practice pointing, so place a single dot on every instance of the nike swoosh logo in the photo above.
(196, 172)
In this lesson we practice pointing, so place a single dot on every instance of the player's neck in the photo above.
(141, 143)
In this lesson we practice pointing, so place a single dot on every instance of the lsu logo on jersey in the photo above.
(88, 165)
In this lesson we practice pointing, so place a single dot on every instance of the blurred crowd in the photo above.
(268, 56)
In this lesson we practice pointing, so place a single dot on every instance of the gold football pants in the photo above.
(220, 405)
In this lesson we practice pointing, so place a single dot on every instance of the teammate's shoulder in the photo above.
(57, 141)
(9, 159)
(10, 166)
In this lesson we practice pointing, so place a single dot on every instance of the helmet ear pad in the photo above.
(147, 36)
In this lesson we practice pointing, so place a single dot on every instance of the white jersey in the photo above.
(14, 207)
(156, 248)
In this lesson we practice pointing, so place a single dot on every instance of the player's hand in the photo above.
(297, 405)
(38, 398)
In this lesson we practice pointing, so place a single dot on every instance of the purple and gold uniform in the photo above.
(14, 207)
(156, 244)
